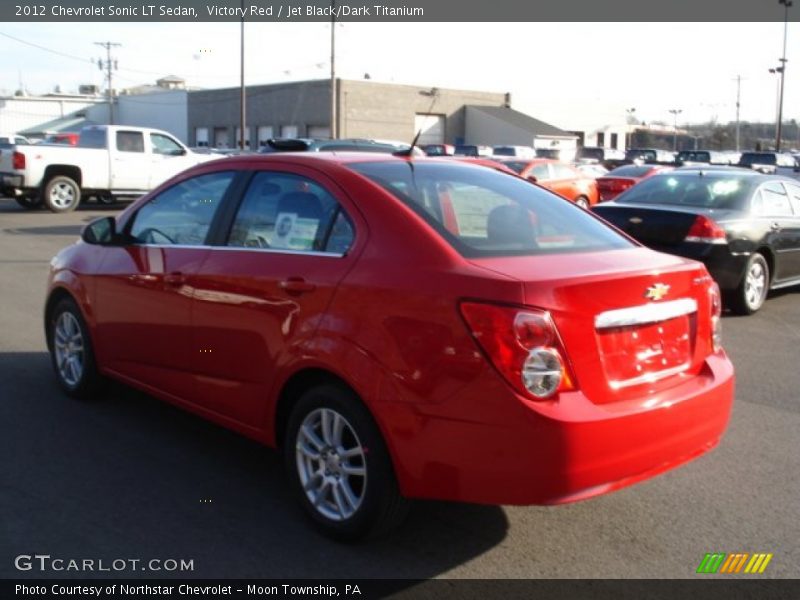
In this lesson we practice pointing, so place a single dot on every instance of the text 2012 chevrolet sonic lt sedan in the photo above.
(399, 328)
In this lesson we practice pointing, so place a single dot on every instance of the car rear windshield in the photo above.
(629, 171)
(696, 190)
(595, 153)
(484, 213)
(692, 156)
(749, 159)
(514, 165)
(645, 154)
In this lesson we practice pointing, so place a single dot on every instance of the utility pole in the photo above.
(675, 112)
(334, 132)
(738, 97)
(110, 66)
(242, 91)
(629, 134)
(786, 4)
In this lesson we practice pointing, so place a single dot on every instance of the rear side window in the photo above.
(483, 213)
(181, 214)
(92, 138)
(772, 201)
(749, 159)
(282, 211)
(130, 141)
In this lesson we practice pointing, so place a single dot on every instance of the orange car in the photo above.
(558, 177)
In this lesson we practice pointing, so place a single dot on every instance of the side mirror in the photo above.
(533, 178)
(100, 232)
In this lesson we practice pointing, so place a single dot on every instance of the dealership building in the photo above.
(364, 109)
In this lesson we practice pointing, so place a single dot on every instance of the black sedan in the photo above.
(743, 225)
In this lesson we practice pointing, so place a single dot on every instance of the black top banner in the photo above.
(400, 10)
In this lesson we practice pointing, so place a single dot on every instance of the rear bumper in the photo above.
(11, 184)
(570, 449)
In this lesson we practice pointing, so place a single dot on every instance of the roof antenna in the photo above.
(433, 93)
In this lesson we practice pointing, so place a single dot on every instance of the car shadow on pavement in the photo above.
(129, 476)
(70, 230)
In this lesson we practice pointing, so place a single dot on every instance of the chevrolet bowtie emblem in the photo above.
(657, 291)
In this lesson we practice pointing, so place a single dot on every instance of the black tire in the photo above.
(84, 381)
(379, 507)
(61, 194)
(753, 289)
(28, 202)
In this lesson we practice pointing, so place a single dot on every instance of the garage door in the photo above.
(319, 132)
(432, 127)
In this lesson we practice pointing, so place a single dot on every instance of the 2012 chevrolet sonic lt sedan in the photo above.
(399, 328)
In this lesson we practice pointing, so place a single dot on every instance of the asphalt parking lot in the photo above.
(131, 477)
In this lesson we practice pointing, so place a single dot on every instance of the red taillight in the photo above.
(523, 345)
(18, 160)
(615, 185)
(705, 230)
(716, 316)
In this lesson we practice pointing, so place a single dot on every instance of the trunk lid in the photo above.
(661, 227)
(620, 343)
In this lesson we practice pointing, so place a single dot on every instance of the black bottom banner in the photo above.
(438, 589)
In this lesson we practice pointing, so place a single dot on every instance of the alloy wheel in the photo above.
(69, 349)
(331, 464)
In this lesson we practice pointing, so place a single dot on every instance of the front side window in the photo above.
(165, 145)
(282, 211)
(562, 171)
(181, 214)
(484, 213)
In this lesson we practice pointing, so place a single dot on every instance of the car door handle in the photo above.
(175, 279)
(296, 285)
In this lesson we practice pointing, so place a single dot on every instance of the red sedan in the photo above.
(400, 328)
(563, 179)
(621, 179)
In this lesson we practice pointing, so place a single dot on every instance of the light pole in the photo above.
(334, 129)
(786, 5)
(675, 112)
(629, 140)
(778, 100)
(242, 90)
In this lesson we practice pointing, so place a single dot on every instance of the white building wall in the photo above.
(166, 110)
(21, 112)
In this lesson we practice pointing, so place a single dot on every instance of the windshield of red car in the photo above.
(483, 213)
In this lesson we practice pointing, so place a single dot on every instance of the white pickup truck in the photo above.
(109, 162)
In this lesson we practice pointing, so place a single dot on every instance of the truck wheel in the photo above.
(28, 202)
(62, 194)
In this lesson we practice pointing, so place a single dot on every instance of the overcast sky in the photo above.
(565, 73)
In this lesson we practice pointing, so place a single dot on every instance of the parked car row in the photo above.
(743, 225)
